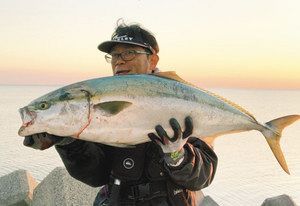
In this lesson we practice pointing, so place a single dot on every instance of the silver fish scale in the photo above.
(153, 86)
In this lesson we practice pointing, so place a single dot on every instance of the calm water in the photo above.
(247, 172)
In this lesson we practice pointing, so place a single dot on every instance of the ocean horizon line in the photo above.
(197, 84)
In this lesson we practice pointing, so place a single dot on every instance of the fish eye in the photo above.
(43, 105)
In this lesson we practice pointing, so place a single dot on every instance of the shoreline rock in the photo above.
(279, 201)
(59, 188)
(19, 188)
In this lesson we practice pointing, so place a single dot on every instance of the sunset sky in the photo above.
(213, 43)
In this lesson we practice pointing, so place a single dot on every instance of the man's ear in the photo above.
(153, 61)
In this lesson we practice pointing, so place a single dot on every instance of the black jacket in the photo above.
(95, 164)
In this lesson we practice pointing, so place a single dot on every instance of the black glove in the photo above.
(173, 146)
(44, 140)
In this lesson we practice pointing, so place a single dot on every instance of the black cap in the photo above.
(125, 39)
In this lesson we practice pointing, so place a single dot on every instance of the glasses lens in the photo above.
(108, 58)
(128, 55)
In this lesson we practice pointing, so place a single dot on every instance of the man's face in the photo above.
(140, 64)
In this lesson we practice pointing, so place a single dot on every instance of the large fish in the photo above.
(122, 110)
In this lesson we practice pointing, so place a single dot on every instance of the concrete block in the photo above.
(60, 189)
(16, 188)
(279, 201)
(208, 201)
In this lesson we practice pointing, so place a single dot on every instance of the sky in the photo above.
(213, 43)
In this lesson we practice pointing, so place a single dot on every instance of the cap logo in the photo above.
(122, 38)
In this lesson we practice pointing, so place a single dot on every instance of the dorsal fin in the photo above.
(173, 76)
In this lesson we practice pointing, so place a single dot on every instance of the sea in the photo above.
(247, 172)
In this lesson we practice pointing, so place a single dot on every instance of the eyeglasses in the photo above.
(125, 55)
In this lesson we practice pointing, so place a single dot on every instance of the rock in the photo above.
(208, 201)
(59, 188)
(279, 201)
(16, 188)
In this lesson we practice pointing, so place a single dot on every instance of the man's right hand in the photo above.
(44, 140)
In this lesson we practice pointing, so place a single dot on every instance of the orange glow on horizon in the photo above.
(239, 44)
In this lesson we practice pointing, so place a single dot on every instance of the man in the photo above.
(165, 171)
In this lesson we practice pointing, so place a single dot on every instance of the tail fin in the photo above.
(272, 134)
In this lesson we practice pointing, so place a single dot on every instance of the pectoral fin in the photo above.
(112, 107)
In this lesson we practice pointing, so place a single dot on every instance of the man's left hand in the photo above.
(172, 147)
(173, 144)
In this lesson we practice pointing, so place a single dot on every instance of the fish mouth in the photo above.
(27, 117)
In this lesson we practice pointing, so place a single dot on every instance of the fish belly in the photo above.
(131, 126)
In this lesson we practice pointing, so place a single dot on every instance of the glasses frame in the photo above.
(109, 57)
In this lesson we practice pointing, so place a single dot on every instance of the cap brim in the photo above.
(108, 45)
